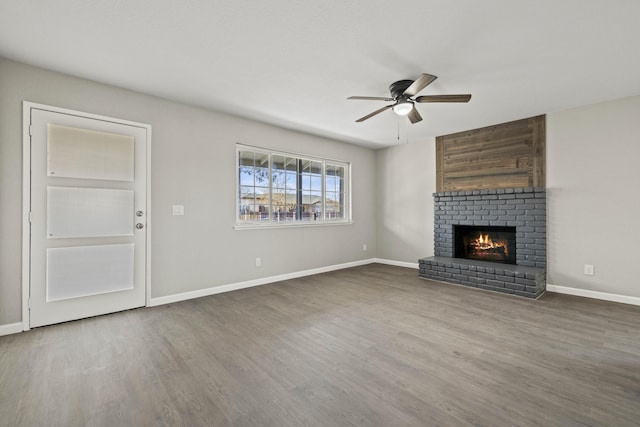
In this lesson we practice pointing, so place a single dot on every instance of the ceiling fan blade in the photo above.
(414, 116)
(368, 116)
(372, 98)
(423, 81)
(444, 98)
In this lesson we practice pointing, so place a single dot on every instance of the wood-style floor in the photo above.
(367, 346)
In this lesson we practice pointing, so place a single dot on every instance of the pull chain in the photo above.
(406, 128)
(407, 133)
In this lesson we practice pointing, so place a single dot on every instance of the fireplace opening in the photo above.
(485, 243)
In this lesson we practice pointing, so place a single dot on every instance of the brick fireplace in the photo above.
(522, 209)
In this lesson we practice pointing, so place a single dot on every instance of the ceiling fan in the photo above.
(402, 96)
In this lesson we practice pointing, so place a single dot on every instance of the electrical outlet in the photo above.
(588, 270)
(177, 210)
(258, 262)
(364, 248)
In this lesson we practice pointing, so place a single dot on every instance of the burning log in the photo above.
(483, 245)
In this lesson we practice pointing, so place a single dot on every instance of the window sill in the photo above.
(258, 225)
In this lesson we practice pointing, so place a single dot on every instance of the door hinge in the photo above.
(29, 303)
(30, 217)
(30, 128)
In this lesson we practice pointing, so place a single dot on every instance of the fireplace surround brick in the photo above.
(523, 208)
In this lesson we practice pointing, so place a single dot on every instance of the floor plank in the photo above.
(371, 345)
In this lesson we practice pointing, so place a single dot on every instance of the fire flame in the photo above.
(484, 242)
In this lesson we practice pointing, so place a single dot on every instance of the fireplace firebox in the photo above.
(485, 243)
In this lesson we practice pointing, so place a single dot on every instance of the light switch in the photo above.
(178, 210)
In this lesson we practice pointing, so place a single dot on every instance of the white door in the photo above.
(88, 216)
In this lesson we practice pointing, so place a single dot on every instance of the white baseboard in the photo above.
(251, 283)
(397, 263)
(10, 328)
(594, 294)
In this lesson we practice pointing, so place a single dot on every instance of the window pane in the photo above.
(316, 182)
(291, 181)
(246, 158)
(278, 213)
(316, 176)
(263, 212)
(262, 160)
(262, 176)
(278, 181)
(246, 192)
(278, 197)
(291, 164)
(277, 162)
(306, 181)
(246, 176)
(334, 178)
(278, 178)
(340, 174)
(330, 183)
(332, 205)
(261, 191)
(315, 168)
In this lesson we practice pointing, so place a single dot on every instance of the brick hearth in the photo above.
(523, 208)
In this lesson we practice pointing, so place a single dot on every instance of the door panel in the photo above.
(88, 246)
(89, 212)
(88, 270)
(107, 156)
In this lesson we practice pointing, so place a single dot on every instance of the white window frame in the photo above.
(271, 223)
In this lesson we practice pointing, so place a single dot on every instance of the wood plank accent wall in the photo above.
(508, 155)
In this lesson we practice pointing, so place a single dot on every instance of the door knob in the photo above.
(139, 226)
(139, 213)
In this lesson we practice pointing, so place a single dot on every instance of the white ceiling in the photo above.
(293, 63)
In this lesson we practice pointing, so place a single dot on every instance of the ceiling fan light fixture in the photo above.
(403, 108)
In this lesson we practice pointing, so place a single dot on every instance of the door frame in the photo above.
(26, 198)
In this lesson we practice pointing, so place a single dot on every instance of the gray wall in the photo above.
(593, 198)
(193, 163)
(593, 186)
(406, 181)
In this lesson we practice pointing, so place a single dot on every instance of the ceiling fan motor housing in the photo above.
(397, 88)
